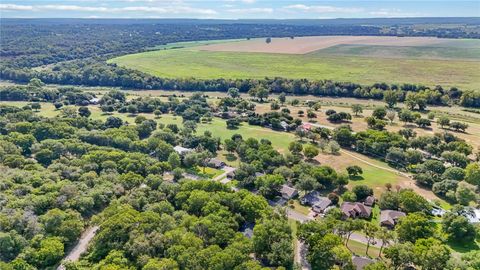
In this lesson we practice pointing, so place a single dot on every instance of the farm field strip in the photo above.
(302, 45)
(373, 66)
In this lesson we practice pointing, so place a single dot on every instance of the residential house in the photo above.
(321, 205)
(389, 218)
(94, 101)
(215, 163)
(369, 201)
(355, 210)
(288, 192)
(310, 198)
(182, 150)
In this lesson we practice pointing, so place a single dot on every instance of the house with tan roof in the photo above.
(355, 210)
(389, 218)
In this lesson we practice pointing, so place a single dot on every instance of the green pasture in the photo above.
(188, 44)
(188, 62)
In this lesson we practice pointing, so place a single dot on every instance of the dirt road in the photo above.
(81, 246)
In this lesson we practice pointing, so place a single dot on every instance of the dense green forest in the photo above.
(59, 172)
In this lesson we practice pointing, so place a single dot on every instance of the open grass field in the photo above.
(383, 60)
(303, 45)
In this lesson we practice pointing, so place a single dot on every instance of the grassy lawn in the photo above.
(229, 158)
(375, 215)
(206, 172)
(294, 226)
(359, 249)
(300, 208)
(189, 62)
(373, 177)
(218, 128)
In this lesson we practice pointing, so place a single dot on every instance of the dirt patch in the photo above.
(303, 45)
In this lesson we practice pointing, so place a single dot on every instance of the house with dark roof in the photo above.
(288, 192)
(369, 201)
(389, 218)
(215, 163)
(310, 198)
(355, 210)
(361, 262)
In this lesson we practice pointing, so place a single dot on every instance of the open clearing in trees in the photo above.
(365, 60)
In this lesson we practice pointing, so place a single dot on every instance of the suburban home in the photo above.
(216, 163)
(369, 201)
(182, 150)
(288, 192)
(355, 210)
(310, 198)
(361, 262)
(94, 101)
(389, 218)
(321, 205)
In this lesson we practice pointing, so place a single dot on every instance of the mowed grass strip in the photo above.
(185, 63)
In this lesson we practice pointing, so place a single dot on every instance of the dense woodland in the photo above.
(59, 172)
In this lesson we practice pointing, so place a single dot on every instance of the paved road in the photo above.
(81, 246)
(297, 216)
(301, 256)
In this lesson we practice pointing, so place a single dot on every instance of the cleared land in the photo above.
(302, 45)
(427, 61)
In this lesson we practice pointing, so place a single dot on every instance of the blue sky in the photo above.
(236, 9)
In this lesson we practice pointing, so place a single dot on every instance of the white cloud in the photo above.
(250, 10)
(172, 9)
(13, 7)
(73, 8)
(385, 12)
(323, 9)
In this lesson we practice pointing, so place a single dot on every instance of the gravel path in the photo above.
(81, 246)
